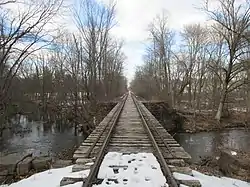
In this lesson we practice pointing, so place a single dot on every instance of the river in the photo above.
(40, 139)
(207, 143)
(59, 141)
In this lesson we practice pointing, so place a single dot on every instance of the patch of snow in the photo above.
(181, 176)
(206, 180)
(50, 178)
(182, 185)
(233, 153)
(141, 169)
(89, 164)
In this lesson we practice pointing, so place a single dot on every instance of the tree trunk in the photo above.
(214, 93)
(76, 108)
(43, 95)
(198, 105)
(221, 104)
(190, 94)
(248, 90)
(248, 100)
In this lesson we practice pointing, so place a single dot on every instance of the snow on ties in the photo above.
(130, 170)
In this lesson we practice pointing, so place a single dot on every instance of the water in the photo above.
(40, 139)
(206, 143)
(57, 141)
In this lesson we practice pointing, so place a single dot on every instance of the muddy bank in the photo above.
(185, 121)
(229, 163)
(205, 121)
(26, 166)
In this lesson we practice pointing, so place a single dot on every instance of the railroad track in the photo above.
(130, 128)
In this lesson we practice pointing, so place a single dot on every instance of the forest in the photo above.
(205, 67)
(53, 72)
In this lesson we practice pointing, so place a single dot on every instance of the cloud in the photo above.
(134, 16)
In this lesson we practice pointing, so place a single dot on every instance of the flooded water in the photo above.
(57, 141)
(39, 139)
(206, 143)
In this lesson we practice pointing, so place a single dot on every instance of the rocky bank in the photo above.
(229, 163)
(28, 165)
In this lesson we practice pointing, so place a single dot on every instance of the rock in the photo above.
(176, 162)
(78, 167)
(209, 161)
(61, 163)
(23, 167)
(70, 180)
(190, 183)
(9, 169)
(84, 160)
(3, 175)
(8, 161)
(234, 164)
(183, 170)
(41, 163)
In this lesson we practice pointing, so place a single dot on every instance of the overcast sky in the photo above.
(134, 16)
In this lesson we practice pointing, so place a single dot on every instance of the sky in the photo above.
(134, 16)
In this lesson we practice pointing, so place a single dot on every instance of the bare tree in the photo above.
(231, 22)
(22, 33)
(248, 87)
(162, 39)
(194, 43)
(209, 69)
(94, 22)
(216, 59)
(5, 2)
(59, 72)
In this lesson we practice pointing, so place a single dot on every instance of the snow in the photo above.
(233, 153)
(206, 180)
(141, 169)
(50, 178)
(90, 164)
(118, 169)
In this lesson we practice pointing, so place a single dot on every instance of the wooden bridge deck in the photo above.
(130, 136)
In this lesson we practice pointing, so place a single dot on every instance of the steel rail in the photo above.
(95, 168)
(162, 139)
(101, 133)
(167, 173)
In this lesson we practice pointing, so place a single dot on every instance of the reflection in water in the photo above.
(41, 139)
(206, 143)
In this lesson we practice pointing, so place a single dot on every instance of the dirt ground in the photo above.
(205, 121)
(226, 165)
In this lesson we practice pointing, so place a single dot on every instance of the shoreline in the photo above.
(188, 131)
